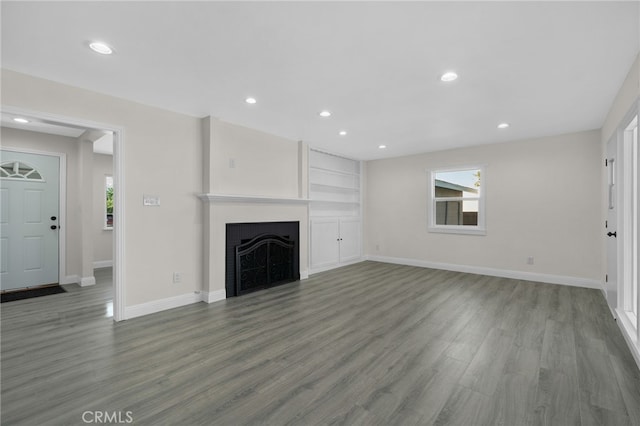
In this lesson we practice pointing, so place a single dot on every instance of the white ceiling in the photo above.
(544, 67)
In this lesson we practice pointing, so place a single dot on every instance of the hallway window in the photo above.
(108, 224)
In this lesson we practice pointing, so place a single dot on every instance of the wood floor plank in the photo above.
(485, 370)
(514, 400)
(597, 380)
(558, 346)
(465, 407)
(629, 382)
(557, 399)
(369, 343)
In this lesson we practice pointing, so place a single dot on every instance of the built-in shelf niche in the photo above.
(334, 185)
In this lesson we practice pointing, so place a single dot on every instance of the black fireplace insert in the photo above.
(261, 255)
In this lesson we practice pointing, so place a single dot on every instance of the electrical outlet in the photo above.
(530, 260)
(177, 277)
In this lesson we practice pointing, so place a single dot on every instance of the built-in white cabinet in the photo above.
(334, 242)
(334, 210)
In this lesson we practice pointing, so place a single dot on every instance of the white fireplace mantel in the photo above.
(227, 198)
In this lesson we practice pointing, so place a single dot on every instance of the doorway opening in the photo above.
(40, 122)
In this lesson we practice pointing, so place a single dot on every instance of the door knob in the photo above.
(54, 227)
(53, 218)
(612, 234)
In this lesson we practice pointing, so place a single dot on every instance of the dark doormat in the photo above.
(31, 292)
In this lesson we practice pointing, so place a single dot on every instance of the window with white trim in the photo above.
(456, 200)
(108, 217)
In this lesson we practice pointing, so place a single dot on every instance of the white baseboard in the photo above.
(213, 296)
(304, 275)
(161, 305)
(102, 264)
(87, 281)
(70, 279)
(503, 273)
(629, 334)
(337, 265)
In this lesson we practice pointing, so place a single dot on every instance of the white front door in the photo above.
(611, 224)
(29, 212)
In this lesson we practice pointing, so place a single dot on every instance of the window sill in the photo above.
(463, 230)
(107, 229)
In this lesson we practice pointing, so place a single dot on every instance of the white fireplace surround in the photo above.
(226, 198)
(221, 209)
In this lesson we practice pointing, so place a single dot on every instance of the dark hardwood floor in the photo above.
(371, 343)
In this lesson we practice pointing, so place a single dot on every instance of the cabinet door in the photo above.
(324, 243)
(349, 239)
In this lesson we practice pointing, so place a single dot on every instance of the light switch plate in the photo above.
(150, 200)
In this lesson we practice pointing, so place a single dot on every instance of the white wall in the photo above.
(263, 164)
(16, 138)
(628, 93)
(102, 238)
(542, 200)
(162, 156)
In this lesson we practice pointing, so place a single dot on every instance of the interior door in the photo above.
(29, 211)
(611, 224)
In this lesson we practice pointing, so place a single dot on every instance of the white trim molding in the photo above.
(226, 198)
(494, 272)
(337, 265)
(213, 296)
(87, 281)
(102, 264)
(161, 305)
(69, 279)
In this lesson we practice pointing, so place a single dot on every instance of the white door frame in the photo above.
(62, 207)
(118, 183)
(624, 195)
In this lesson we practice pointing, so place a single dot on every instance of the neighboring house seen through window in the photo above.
(456, 200)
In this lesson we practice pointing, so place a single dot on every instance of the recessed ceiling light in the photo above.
(325, 114)
(342, 133)
(382, 146)
(21, 120)
(250, 101)
(503, 125)
(100, 48)
(449, 76)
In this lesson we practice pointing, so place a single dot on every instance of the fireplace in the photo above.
(261, 255)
